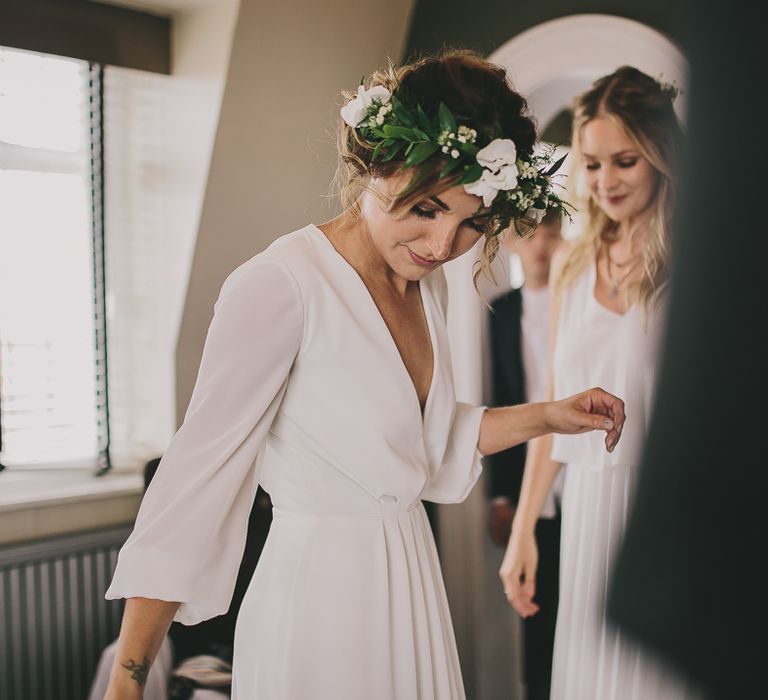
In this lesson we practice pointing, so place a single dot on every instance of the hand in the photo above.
(518, 573)
(594, 409)
(500, 522)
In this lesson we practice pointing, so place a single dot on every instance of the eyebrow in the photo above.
(626, 151)
(440, 203)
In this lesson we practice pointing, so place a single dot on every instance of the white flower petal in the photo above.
(497, 154)
(482, 188)
(355, 110)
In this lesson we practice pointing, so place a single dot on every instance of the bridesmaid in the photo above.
(608, 288)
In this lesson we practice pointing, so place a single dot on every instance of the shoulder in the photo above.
(272, 276)
(274, 270)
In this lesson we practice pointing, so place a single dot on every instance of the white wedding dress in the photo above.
(347, 601)
(598, 347)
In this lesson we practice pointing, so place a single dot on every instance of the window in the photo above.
(95, 247)
(53, 402)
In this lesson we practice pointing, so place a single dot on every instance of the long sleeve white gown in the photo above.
(598, 347)
(302, 389)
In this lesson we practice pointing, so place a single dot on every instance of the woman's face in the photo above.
(620, 179)
(434, 231)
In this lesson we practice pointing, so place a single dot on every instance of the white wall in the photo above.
(274, 154)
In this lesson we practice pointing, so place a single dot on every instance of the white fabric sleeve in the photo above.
(461, 464)
(189, 535)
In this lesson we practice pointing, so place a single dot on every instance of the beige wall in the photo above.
(273, 156)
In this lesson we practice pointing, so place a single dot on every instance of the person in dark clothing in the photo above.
(519, 335)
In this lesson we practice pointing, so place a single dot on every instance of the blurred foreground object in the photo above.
(689, 582)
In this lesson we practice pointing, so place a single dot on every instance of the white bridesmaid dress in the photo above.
(302, 389)
(599, 347)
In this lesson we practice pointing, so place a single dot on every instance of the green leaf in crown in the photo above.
(513, 188)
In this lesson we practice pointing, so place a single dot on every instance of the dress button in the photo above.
(389, 500)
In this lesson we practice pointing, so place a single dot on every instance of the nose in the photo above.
(607, 178)
(440, 243)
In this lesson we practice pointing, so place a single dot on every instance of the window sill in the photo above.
(46, 503)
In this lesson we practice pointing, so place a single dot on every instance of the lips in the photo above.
(615, 200)
(421, 262)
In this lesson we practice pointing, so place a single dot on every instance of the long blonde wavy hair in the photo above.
(643, 108)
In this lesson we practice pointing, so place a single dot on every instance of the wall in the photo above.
(274, 155)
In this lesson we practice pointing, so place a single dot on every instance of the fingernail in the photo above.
(607, 424)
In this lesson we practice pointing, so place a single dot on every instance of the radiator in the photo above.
(54, 621)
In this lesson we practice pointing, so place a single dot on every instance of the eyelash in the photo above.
(626, 164)
(430, 214)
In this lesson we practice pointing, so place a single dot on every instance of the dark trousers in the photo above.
(539, 630)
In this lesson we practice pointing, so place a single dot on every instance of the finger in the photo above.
(609, 405)
(592, 421)
(528, 588)
(521, 603)
(524, 606)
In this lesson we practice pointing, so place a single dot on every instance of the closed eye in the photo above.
(477, 225)
(424, 213)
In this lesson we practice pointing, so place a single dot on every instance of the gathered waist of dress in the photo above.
(384, 507)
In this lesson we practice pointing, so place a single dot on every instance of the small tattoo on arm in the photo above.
(138, 671)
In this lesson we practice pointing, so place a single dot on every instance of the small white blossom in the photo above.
(454, 153)
(467, 134)
(380, 119)
(444, 149)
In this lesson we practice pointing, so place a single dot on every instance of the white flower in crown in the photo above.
(499, 170)
(357, 108)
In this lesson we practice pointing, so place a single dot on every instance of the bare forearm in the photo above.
(145, 624)
(502, 428)
(540, 474)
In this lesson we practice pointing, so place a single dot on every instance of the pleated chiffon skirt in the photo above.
(592, 659)
(347, 608)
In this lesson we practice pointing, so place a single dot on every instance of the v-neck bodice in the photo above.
(364, 290)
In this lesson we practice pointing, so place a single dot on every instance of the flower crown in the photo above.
(514, 188)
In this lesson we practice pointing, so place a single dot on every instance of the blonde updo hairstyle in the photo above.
(479, 95)
(643, 108)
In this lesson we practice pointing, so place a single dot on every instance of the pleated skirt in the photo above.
(347, 608)
(592, 660)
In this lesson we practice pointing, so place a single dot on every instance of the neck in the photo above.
(352, 239)
(534, 283)
(633, 230)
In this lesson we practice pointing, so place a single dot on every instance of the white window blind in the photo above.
(146, 263)
(47, 350)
